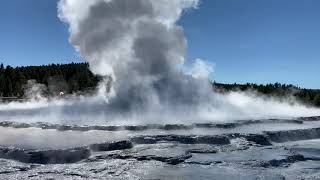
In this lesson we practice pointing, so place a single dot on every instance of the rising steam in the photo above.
(138, 45)
(139, 49)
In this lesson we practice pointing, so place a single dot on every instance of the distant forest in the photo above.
(76, 77)
(67, 78)
(281, 91)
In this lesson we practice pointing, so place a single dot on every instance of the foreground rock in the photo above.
(169, 160)
(166, 127)
(294, 135)
(45, 156)
(60, 156)
(290, 149)
(192, 139)
(111, 146)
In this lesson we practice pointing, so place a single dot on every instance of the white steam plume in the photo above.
(139, 45)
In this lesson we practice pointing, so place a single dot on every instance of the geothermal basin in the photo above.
(242, 149)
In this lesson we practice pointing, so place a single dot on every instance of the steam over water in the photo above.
(151, 117)
(140, 50)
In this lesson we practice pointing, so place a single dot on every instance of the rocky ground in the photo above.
(249, 149)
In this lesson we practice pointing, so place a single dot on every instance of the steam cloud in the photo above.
(138, 45)
(139, 49)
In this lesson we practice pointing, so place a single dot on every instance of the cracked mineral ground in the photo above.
(245, 149)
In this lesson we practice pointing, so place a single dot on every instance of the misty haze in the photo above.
(159, 89)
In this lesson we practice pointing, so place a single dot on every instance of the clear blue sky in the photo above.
(257, 41)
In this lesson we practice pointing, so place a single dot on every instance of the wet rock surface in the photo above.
(176, 151)
(120, 145)
(191, 139)
(64, 127)
(294, 135)
(45, 156)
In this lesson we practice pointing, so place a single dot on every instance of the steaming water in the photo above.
(138, 48)
(96, 111)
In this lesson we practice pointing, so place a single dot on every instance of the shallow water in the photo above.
(242, 150)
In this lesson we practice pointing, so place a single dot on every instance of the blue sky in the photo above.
(261, 41)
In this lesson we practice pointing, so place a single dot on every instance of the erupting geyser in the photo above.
(139, 45)
(150, 113)
(139, 49)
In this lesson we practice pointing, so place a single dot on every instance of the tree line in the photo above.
(76, 77)
(68, 78)
(281, 91)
